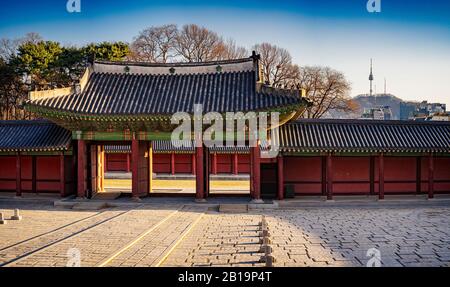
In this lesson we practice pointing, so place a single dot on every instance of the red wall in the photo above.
(243, 163)
(305, 173)
(161, 163)
(183, 163)
(116, 162)
(442, 174)
(47, 173)
(351, 175)
(7, 173)
(399, 175)
(225, 163)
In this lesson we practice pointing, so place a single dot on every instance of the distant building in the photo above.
(377, 113)
(407, 110)
(441, 117)
(421, 111)
(431, 108)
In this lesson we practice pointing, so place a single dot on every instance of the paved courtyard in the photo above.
(178, 234)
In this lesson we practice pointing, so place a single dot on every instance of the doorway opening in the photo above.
(228, 171)
(117, 171)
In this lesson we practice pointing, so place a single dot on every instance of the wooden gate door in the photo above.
(269, 182)
(93, 170)
(96, 170)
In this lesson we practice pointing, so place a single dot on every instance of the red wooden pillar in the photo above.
(418, 175)
(214, 163)
(193, 164)
(280, 178)
(323, 163)
(18, 175)
(372, 175)
(135, 168)
(81, 169)
(33, 174)
(62, 176)
(329, 177)
(199, 179)
(430, 176)
(255, 153)
(235, 164)
(128, 162)
(172, 163)
(381, 176)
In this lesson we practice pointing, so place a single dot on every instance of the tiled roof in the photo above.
(365, 136)
(230, 149)
(117, 149)
(161, 146)
(162, 94)
(165, 146)
(33, 136)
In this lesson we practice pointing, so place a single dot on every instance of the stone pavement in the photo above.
(343, 236)
(220, 240)
(36, 222)
(151, 249)
(98, 242)
(194, 235)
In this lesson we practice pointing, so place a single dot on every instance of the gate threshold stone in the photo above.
(90, 205)
(233, 208)
(110, 195)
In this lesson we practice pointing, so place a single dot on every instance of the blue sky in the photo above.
(409, 40)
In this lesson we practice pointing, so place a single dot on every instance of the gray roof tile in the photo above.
(365, 136)
(33, 136)
(134, 94)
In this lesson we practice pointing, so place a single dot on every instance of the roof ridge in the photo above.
(175, 64)
(175, 74)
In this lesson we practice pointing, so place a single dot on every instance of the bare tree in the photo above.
(277, 65)
(327, 89)
(198, 44)
(155, 44)
(32, 37)
(8, 47)
(233, 51)
(191, 44)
